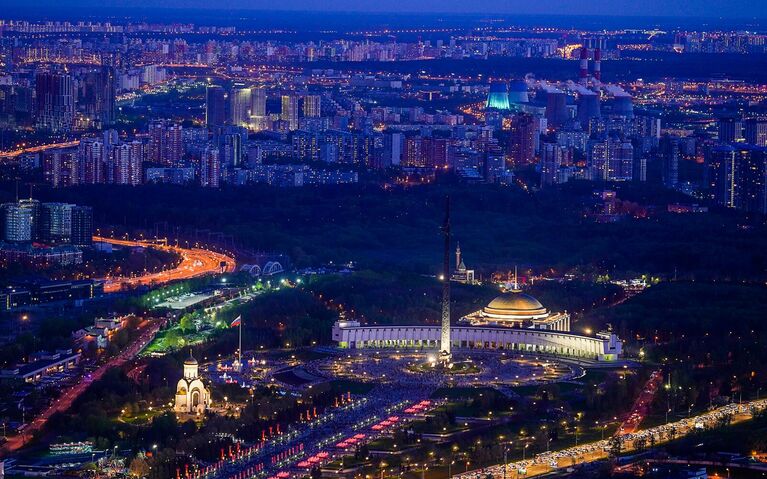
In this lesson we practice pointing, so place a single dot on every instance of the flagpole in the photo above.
(239, 351)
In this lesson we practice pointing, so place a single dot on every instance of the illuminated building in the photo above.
(553, 158)
(240, 101)
(41, 365)
(730, 130)
(56, 223)
(312, 108)
(230, 141)
(91, 157)
(670, 155)
(414, 152)
(739, 177)
(82, 226)
(516, 309)
(60, 167)
(166, 145)
(461, 274)
(210, 168)
(493, 165)
(289, 111)
(96, 96)
(258, 109)
(215, 114)
(127, 159)
(55, 101)
(604, 346)
(191, 395)
(522, 139)
(21, 221)
(756, 132)
(611, 160)
(306, 146)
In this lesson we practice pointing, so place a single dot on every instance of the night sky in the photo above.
(676, 8)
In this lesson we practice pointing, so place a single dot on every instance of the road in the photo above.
(642, 404)
(324, 438)
(39, 148)
(195, 262)
(64, 402)
(547, 462)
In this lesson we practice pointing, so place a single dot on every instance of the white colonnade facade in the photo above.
(604, 346)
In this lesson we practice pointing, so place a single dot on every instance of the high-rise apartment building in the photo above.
(755, 131)
(210, 168)
(54, 101)
(730, 130)
(611, 160)
(289, 111)
(215, 106)
(240, 104)
(166, 143)
(522, 140)
(258, 102)
(312, 106)
(738, 177)
(21, 221)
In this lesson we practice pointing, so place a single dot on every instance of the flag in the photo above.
(237, 321)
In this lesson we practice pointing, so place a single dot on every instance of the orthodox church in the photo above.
(191, 395)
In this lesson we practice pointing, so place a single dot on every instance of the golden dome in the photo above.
(190, 361)
(516, 304)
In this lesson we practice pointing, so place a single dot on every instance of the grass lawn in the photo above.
(346, 462)
(461, 393)
(354, 387)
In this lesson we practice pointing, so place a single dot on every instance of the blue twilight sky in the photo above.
(675, 8)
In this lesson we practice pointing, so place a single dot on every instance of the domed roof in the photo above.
(515, 303)
(515, 300)
(190, 361)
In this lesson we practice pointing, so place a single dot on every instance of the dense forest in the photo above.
(398, 228)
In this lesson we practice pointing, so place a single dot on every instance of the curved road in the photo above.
(194, 262)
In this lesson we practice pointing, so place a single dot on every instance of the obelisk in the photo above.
(445, 336)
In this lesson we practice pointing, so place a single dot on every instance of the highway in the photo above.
(39, 148)
(641, 405)
(551, 461)
(195, 262)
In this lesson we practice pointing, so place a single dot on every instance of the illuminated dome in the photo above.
(190, 361)
(515, 305)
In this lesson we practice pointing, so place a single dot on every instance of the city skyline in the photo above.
(337, 243)
(704, 9)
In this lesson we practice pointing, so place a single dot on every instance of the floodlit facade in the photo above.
(191, 394)
(513, 321)
(603, 347)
